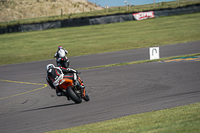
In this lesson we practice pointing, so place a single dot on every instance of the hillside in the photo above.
(25, 9)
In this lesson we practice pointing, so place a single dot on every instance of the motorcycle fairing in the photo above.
(65, 83)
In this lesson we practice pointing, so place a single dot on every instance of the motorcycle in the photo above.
(71, 91)
(64, 62)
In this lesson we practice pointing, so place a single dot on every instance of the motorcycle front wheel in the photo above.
(86, 98)
(75, 97)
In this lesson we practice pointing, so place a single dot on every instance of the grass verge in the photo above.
(42, 45)
(138, 62)
(183, 119)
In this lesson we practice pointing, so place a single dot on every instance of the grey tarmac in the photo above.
(114, 91)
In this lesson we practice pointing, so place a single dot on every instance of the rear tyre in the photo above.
(76, 98)
(65, 64)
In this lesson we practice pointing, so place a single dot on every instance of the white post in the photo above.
(126, 5)
(154, 53)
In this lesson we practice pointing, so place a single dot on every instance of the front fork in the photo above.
(78, 81)
(82, 90)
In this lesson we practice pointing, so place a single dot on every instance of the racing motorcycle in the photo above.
(71, 91)
(64, 62)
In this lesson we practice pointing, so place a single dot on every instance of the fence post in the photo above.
(28, 16)
(178, 2)
(61, 13)
(8, 18)
(83, 6)
(154, 3)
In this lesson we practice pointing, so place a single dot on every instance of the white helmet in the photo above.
(49, 66)
(61, 53)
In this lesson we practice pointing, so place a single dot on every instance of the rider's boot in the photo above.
(68, 98)
(59, 94)
(58, 91)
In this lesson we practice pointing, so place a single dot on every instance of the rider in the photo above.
(59, 54)
(55, 74)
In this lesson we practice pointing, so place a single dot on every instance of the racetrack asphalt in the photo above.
(27, 105)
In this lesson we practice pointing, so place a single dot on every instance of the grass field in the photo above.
(41, 45)
(183, 119)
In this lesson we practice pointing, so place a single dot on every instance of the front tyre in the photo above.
(86, 98)
(76, 98)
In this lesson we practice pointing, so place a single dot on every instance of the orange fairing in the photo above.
(64, 83)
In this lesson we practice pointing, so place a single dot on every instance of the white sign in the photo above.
(143, 15)
(154, 53)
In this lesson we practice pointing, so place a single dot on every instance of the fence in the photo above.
(96, 20)
(111, 10)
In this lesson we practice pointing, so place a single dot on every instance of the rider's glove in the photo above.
(71, 70)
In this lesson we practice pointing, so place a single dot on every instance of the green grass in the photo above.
(41, 45)
(183, 119)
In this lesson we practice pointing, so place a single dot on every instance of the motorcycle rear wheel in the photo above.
(76, 98)
(66, 64)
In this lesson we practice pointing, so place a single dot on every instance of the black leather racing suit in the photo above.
(55, 74)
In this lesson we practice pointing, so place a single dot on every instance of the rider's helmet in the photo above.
(49, 66)
(59, 47)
